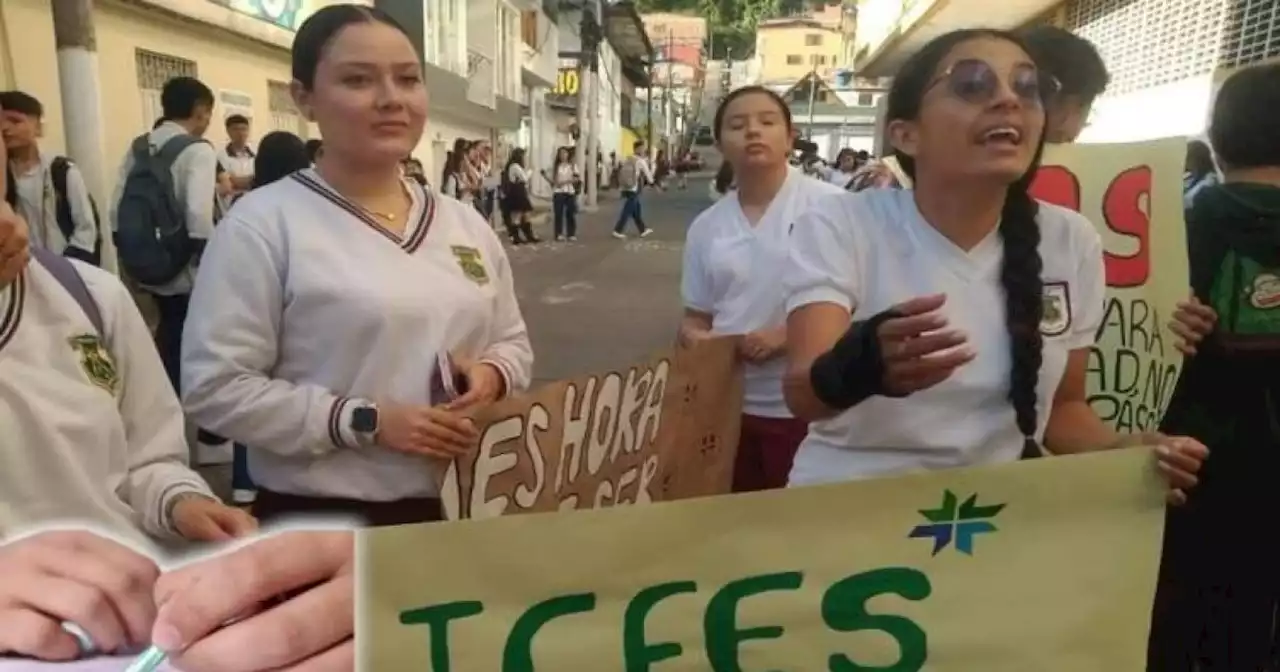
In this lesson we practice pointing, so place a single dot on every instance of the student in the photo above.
(1219, 585)
(733, 256)
(516, 205)
(49, 190)
(280, 154)
(633, 175)
(953, 360)
(118, 596)
(93, 431)
(564, 199)
(315, 147)
(843, 171)
(329, 299)
(1199, 172)
(1081, 77)
(236, 158)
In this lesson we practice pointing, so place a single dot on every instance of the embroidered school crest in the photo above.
(96, 362)
(1056, 318)
(471, 264)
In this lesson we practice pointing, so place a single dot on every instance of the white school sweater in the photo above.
(306, 306)
(90, 430)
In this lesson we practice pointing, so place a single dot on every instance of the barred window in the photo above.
(153, 70)
(284, 114)
(1252, 33)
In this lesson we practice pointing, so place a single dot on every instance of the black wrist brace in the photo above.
(853, 369)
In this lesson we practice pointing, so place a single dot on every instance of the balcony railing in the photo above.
(480, 84)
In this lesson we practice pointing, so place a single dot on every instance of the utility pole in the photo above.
(81, 90)
(670, 97)
(585, 31)
(813, 94)
(592, 176)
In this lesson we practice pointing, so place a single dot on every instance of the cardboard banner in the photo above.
(1133, 195)
(663, 429)
(1045, 565)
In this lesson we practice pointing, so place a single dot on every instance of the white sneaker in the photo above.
(573, 239)
(646, 233)
(620, 236)
(560, 239)
(243, 497)
(211, 454)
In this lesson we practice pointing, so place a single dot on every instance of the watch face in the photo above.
(364, 420)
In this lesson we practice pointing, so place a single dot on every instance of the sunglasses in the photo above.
(975, 81)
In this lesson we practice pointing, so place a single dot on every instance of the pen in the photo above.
(149, 661)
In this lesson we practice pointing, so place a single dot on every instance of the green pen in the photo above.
(149, 661)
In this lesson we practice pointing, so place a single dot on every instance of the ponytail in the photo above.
(1024, 306)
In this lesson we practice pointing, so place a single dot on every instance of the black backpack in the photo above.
(151, 223)
(66, 223)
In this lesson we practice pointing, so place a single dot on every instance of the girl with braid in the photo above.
(974, 305)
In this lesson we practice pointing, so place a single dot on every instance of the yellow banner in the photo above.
(1133, 195)
(1046, 565)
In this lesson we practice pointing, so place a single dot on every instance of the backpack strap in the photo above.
(58, 176)
(66, 274)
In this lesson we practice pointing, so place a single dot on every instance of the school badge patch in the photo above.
(1056, 319)
(96, 362)
(471, 264)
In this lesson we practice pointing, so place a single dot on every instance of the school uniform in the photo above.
(37, 202)
(872, 250)
(237, 163)
(731, 271)
(308, 309)
(93, 431)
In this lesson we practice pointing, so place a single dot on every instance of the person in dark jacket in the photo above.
(1220, 576)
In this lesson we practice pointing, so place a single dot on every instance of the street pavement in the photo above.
(601, 302)
(597, 303)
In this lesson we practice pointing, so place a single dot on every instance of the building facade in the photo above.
(789, 49)
(1165, 55)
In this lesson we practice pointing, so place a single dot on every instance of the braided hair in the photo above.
(1020, 272)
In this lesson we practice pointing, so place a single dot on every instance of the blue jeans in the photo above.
(565, 207)
(240, 478)
(630, 210)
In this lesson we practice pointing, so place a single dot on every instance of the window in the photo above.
(529, 29)
(866, 100)
(795, 59)
(1252, 33)
(153, 70)
(818, 59)
(813, 40)
(284, 114)
(445, 34)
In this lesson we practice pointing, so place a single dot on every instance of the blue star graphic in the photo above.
(956, 523)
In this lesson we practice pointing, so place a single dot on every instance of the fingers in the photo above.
(35, 635)
(1187, 338)
(914, 348)
(341, 658)
(446, 431)
(921, 305)
(899, 328)
(215, 590)
(1179, 459)
(471, 397)
(305, 628)
(925, 372)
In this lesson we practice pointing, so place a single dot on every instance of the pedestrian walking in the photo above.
(734, 254)
(953, 358)
(329, 301)
(633, 174)
(516, 204)
(564, 199)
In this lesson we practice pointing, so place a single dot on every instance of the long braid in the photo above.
(1024, 306)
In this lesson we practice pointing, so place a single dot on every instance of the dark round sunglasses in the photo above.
(975, 81)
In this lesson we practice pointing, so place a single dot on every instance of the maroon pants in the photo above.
(766, 449)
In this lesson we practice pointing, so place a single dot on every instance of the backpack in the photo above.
(66, 274)
(151, 227)
(1246, 295)
(628, 175)
(66, 223)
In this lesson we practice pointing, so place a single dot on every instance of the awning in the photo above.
(625, 32)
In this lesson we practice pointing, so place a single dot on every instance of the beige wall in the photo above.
(774, 44)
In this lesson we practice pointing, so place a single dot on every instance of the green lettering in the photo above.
(720, 623)
(844, 609)
(437, 617)
(517, 655)
(638, 655)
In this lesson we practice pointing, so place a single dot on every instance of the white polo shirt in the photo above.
(871, 250)
(731, 271)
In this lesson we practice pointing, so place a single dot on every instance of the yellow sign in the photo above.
(1133, 195)
(999, 569)
(567, 82)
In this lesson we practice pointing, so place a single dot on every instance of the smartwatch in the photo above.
(364, 420)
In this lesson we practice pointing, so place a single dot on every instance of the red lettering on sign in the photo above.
(1122, 207)
(1122, 212)
(1056, 185)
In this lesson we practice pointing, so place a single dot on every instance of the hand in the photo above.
(14, 242)
(425, 430)
(485, 385)
(918, 350)
(1192, 322)
(1178, 459)
(689, 336)
(200, 518)
(311, 629)
(75, 576)
(763, 345)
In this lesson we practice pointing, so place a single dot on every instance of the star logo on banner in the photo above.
(956, 523)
